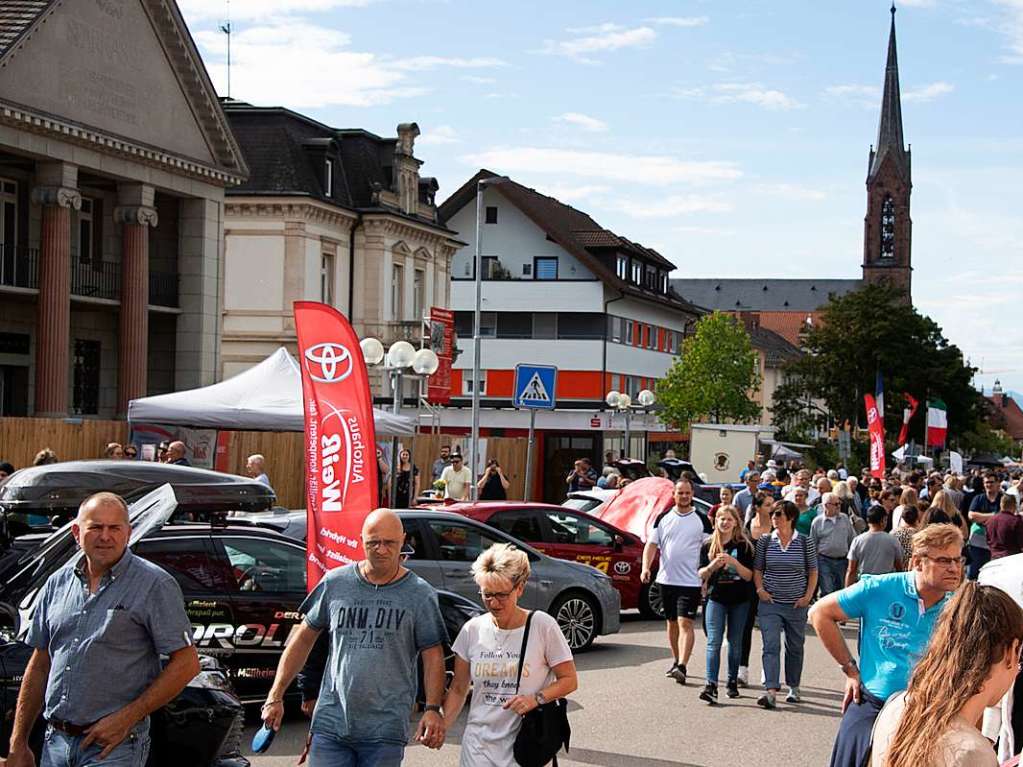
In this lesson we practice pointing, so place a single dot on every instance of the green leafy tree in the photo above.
(713, 377)
(869, 330)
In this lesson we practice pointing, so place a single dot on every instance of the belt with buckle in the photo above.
(74, 730)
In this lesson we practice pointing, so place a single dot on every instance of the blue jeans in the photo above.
(715, 618)
(63, 750)
(774, 619)
(831, 574)
(325, 751)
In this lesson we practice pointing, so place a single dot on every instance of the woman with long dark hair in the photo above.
(971, 661)
(408, 481)
(759, 525)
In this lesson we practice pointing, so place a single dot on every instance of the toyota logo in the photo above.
(328, 363)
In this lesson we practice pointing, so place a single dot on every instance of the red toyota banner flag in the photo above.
(876, 427)
(907, 416)
(340, 445)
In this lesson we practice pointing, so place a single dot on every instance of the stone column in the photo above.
(58, 195)
(135, 214)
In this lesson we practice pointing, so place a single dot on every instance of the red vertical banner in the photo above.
(341, 467)
(442, 341)
(876, 427)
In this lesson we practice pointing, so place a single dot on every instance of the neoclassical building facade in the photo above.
(340, 216)
(114, 157)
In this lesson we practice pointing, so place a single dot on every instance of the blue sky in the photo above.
(731, 136)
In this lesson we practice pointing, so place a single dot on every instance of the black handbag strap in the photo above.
(522, 650)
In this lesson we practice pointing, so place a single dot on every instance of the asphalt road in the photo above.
(627, 714)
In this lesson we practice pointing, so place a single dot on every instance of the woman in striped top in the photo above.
(785, 573)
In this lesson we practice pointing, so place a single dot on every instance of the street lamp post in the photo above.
(399, 358)
(622, 402)
(481, 185)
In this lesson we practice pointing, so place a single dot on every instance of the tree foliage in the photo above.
(713, 377)
(861, 333)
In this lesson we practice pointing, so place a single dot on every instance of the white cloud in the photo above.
(636, 169)
(573, 193)
(675, 205)
(477, 80)
(747, 93)
(301, 64)
(927, 92)
(587, 41)
(917, 3)
(442, 134)
(678, 21)
(587, 123)
(792, 192)
(705, 230)
(201, 10)
(1012, 28)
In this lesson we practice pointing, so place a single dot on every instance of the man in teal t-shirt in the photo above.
(897, 613)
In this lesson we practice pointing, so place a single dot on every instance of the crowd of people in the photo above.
(900, 555)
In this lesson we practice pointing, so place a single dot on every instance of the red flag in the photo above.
(340, 446)
(876, 427)
(907, 416)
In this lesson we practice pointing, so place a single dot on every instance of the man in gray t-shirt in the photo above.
(379, 617)
(874, 552)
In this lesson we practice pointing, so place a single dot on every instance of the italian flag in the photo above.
(937, 423)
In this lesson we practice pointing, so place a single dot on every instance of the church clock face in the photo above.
(888, 228)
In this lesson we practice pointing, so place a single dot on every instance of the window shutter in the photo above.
(97, 234)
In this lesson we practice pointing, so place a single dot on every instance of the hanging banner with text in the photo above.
(876, 427)
(340, 444)
(442, 341)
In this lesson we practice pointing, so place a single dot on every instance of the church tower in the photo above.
(887, 231)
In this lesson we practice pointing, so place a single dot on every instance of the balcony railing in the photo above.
(163, 288)
(397, 330)
(19, 267)
(99, 279)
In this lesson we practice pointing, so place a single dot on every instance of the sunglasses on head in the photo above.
(777, 514)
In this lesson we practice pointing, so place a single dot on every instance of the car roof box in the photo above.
(60, 487)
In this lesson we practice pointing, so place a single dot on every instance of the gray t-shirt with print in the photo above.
(376, 633)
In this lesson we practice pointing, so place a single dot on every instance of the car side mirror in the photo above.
(619, 542)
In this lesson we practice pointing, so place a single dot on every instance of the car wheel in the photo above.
(651, 602)
(576, 615)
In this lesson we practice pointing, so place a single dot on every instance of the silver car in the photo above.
(442, 546)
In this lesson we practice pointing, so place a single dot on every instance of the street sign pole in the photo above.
(529, 455)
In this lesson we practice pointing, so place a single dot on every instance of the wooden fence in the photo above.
(22, 438)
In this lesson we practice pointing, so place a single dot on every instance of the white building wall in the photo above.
(506, 353)
(514, 239)
(630, 360)
(523, 296)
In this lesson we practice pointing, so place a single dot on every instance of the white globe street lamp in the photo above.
(372, 351)
(425, 363)
(622, 402)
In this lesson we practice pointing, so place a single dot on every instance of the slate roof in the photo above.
(574, 231)
(777, 349)
(762, 295)
(16, 18)
(285, 152)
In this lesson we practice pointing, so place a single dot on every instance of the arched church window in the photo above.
(888, 228)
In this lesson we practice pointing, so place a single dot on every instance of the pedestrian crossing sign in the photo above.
(535, 386)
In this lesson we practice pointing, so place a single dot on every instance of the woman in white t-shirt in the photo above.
(971, 661)
(487, 655)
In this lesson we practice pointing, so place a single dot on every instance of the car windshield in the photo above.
(582, 504)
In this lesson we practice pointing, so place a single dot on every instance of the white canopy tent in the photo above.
(267, 397)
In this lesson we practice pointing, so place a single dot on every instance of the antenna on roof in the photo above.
(226, 29)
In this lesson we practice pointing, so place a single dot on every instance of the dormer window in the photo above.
(664, 282)
(328, 178)
(637, 272)
(622, 267)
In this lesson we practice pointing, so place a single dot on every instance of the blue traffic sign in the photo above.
(535, 386)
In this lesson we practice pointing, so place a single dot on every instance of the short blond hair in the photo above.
(503, 560)
(936, 537)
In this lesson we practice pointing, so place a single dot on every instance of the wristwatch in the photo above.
(431, 707)
(848, 665)
(540, 699)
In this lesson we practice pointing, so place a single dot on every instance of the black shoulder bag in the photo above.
(545, 729)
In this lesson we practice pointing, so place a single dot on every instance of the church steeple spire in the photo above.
(889, 129)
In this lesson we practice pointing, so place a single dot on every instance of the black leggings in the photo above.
(747, 634)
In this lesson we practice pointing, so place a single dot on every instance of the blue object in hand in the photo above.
(262, 739)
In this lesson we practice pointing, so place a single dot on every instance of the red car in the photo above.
(573, 535)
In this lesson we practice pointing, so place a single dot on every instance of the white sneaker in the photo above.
(743, 677)
(793, 696)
